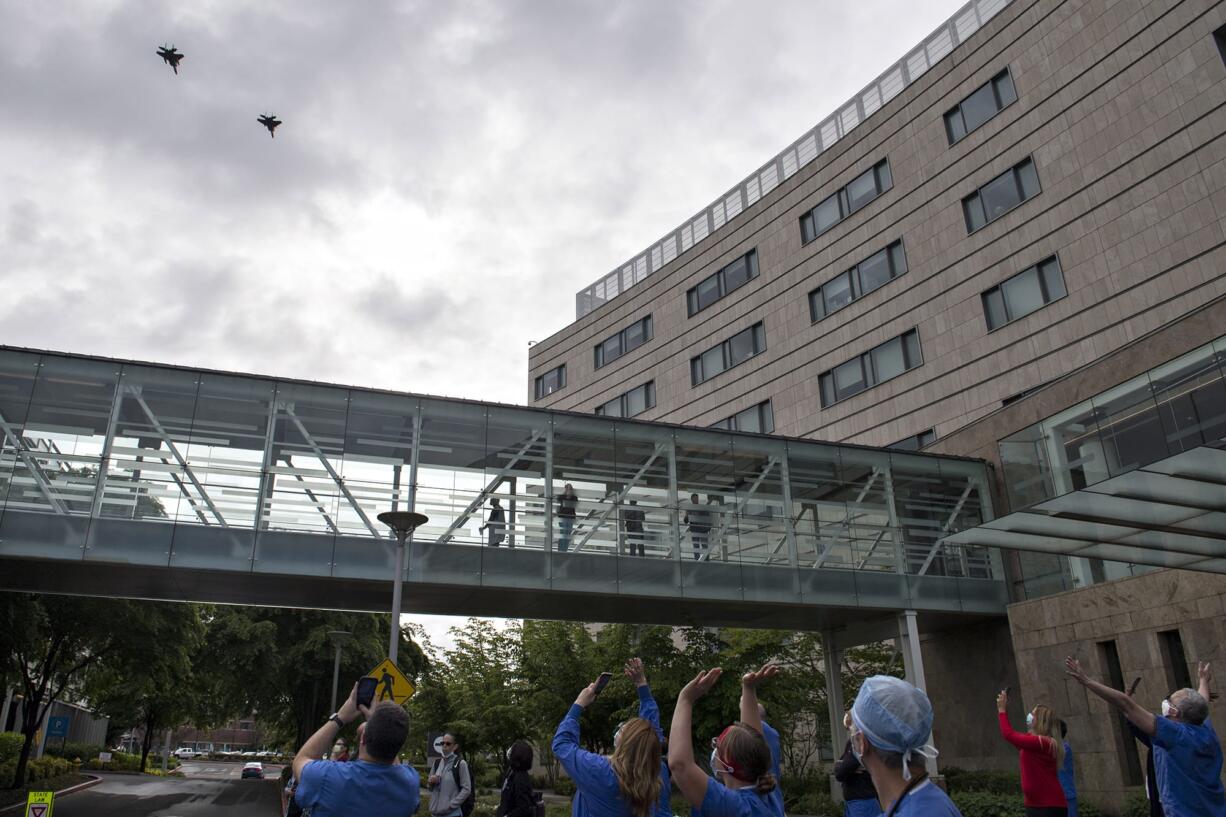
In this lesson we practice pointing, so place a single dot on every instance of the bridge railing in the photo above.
(155, 465)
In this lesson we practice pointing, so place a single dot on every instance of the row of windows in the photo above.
(632, 403)
(877, 365)
(719, 284)
(1029, 290)
(981, 105)
(845, 201)
(550, 381)
(759, 419)
(916, 441)
(624, 342)
(1002, 194)
(723, 356)
(873, 272)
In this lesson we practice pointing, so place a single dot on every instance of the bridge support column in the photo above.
(832, 656)
(913, 662)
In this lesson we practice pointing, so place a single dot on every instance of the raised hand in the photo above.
(1204, 672)
(753, 678)
(586, 695)
(1072, 668)
(1002, 700)
(700, 685)
(635, 672)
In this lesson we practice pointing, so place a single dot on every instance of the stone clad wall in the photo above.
(1131, 612)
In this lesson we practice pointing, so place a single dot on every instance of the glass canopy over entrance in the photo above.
(137, 479)
(1135, 474)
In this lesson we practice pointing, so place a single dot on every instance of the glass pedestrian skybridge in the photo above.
(143, 480)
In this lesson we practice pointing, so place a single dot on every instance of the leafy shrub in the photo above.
(46, 768)
(1090, 809)
(974, 780)
(73, 749)
(488, 779)
(10, 745)
(560, 810)
(817, 804)
(565, 787)
(797, 788)
(989, 804)
(125, 762)
(1135, 805)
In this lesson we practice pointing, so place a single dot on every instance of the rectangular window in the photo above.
(877, 365)
(551, 381)
(916, 441)
(759, 419)
(1031, 289)
(624, 342)
(633, 402)
(719, 284)
(1125, 746)
(981, 105)
(737, 349)
(1175, 659)
(839, 205)
(872, 273)
(1002, 194)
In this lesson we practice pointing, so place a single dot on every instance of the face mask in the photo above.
(1167, 709)
(1029, 720)
(857, 753)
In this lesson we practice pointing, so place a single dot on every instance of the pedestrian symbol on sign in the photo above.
(392, 685)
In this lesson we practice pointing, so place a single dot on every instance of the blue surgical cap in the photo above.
(894, 716)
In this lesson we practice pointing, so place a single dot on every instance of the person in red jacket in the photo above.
(1040, 754)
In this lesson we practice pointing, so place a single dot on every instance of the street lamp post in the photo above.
(338, 637)
(402, 523)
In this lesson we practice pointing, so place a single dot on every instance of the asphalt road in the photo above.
(207, 789)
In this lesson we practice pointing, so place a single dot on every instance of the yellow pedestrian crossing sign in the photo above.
(39, 803)
(392, 685)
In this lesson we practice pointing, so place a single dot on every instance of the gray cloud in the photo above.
(447, 176)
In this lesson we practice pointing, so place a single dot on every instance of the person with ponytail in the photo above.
(1041, 755)
(743, 782)
(634, 782)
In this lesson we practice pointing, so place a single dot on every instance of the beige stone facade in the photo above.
(1120, 105)
(1134, 615)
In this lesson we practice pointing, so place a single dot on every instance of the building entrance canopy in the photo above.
(1171, 513)
(1135, 474)
(131, 479)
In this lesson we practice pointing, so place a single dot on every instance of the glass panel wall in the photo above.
(1172, 408)
(141, 464)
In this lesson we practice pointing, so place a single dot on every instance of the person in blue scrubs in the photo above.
(772, 740)
(1066, 773)
(1187, 754)
(636, 767)
(743, 781)
(891, 721)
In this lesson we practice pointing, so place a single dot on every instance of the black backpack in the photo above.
(470, 802)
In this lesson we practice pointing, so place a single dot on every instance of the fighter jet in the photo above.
(269, 121)
(170, 56)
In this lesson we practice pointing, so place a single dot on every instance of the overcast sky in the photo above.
(447, 176)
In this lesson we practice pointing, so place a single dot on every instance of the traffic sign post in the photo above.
(57, 727)
(392, 685)
(39, 803)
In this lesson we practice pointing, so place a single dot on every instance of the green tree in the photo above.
(50, 643)
(150, 683)
(485, 688)
(278, 663)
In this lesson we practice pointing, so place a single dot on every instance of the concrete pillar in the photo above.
(834, 692)
(913, 663)
(4, 710)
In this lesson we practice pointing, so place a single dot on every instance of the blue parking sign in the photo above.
(57, 727)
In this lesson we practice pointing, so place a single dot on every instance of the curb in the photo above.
(70, 790)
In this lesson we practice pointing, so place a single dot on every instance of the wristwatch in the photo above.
(335, 717)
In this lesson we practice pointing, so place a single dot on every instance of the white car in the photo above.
(255, 770)
(184, 753)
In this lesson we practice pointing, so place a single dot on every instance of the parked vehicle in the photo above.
(253, 769)
(185, 753)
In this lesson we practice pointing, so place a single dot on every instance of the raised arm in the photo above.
(749, 694)
(649, 710)
(581, 765)
(1133, 711)
(690, 779)
(1205, 674)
